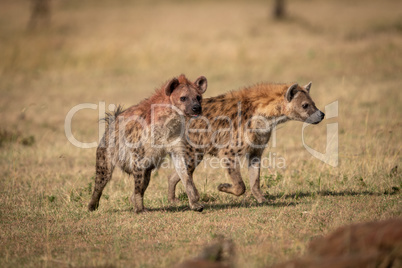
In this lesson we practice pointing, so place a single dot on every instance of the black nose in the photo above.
(322, 115)
(196, 109)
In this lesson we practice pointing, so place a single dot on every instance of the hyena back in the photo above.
(239, 124)
(138, 138)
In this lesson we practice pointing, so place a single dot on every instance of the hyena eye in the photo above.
(305, 106)
(198, 98)
(183, 99)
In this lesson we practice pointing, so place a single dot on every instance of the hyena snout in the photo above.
(197, 109)
(316, 117)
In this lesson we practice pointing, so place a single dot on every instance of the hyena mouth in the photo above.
(315, 118)
(196, 114)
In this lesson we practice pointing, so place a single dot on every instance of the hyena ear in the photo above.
(307, 87)
(201, 83)
(291, 92)
(171, 85)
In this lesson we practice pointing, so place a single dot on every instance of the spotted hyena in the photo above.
(138, 138)
(239, 124)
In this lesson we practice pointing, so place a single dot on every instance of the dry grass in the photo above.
(118, 51)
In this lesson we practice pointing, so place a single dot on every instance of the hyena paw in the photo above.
(224, 187)
(261, 200)
(140, 210)
(136, 210)
(174, 200)
(197, 207)
(93, 206)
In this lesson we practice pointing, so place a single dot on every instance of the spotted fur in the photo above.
(137, 139)
(239, 124)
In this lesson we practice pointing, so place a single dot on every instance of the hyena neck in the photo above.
(268, 102)
(278, 120)
(157, 108)
(271, 110)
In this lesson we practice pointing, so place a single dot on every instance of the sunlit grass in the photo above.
(119, 53)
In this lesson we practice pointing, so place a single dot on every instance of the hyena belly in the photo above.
(141, 149)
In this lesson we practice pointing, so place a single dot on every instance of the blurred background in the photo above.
(56, 54)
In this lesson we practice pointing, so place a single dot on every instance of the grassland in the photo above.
(119, 51)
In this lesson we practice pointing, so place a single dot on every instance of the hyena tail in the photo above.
(111, 116)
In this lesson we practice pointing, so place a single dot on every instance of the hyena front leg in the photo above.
(104, 170)
(254, 165)
(174, 179)
(186, 176)
(238, 187)
(172, 182)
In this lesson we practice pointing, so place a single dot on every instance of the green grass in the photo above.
(118, 52)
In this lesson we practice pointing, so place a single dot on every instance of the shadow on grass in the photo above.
(182, 206)
(392, 191)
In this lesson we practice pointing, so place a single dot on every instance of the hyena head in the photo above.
(187, 95)
(300, 106)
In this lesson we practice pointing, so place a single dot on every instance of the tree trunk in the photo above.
(279, 9)
(40, 14)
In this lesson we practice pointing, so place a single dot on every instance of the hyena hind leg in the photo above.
(238, 187)
(104, 170)
(141, 182)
